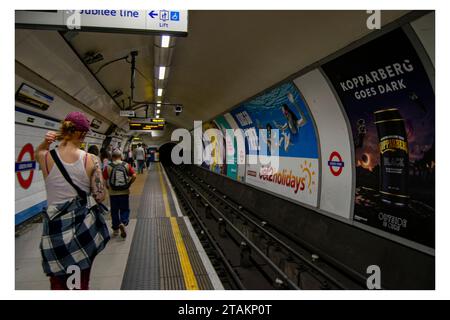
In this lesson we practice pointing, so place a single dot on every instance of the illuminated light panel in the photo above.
(165, 40)
(162, 73)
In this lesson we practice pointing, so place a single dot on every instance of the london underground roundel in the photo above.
(25, 165)
(335, 163)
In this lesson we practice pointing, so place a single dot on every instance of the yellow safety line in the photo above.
(164, 194)
(189, 278)
(188, 274)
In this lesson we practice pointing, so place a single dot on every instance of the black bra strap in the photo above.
(82, 194)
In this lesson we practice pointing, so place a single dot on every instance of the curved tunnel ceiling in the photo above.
(227, 57)
(240, 54)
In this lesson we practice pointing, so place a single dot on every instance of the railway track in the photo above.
(247, 252)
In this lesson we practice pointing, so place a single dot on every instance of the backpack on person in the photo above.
(118, 178)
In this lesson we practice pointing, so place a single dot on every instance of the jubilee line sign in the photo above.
(124, 21)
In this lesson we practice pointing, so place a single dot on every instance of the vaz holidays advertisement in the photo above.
(296, 176)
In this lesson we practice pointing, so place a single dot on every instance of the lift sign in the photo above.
(22, 166)
(335, 163)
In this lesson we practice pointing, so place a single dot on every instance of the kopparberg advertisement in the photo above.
(390, 104)
(297, 174)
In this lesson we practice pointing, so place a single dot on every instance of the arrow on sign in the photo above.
(153, 14)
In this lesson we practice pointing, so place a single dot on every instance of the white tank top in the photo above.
(58, 189)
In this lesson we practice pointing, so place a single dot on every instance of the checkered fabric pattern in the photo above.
(73, 234)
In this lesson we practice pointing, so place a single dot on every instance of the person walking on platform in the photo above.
(93, 149)
(140, 158)
(148, 158)
(109, 150)
(104, 161)
(130, 156)
(119, 175)
(74, 230)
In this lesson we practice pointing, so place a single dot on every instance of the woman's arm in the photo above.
(43, 148)
(97, 182)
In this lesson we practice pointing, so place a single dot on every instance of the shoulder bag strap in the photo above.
(82, 194)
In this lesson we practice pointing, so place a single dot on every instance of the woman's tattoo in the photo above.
(97, 184)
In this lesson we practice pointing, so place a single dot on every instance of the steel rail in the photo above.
(211, 239)
(310, 264)
(272, 265)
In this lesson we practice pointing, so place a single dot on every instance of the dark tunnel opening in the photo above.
(165, 152)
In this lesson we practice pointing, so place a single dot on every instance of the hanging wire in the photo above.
(108, 63)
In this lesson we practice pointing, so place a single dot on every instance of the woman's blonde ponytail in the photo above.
(66, 131)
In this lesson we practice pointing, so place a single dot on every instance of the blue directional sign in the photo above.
(126, 21)
(174, 15)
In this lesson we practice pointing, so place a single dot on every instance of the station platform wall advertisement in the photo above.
(230, 147)
(390, 104)
(214, 155)
(239, 150)
(281, 108)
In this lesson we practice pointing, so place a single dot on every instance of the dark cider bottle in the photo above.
(394, 158)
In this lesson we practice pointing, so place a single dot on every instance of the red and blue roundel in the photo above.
(335, 163)
(27, 165)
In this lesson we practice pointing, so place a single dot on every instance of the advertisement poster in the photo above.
(214, 153)
(239, 148)
(297, 174)
(390, 104)
(230, 147)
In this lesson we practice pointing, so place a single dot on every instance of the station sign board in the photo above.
(127, 113)
(125, 21)
(147, 124)
(33, 97)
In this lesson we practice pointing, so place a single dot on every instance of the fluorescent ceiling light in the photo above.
(159, 104)
(158, 111)
(157, 116)
(162, 73)
(165, 41)
(160, 91)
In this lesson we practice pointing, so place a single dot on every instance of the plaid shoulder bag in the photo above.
(73, 232)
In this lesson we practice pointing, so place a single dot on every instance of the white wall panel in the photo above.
(35, 193)
(336, 190)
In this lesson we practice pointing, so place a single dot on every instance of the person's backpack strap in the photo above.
(82, 194)
(111, 182)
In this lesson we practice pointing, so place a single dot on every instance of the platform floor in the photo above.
(161, 251)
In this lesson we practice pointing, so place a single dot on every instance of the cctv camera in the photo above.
(178, 110)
